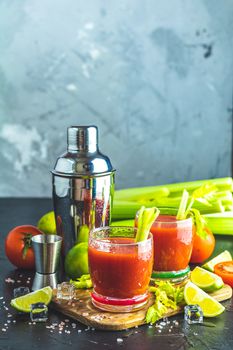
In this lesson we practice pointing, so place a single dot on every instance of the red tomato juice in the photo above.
(173, 241)
(120, 271)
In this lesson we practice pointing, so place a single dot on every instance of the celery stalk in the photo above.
(183, 205)
(146, 217)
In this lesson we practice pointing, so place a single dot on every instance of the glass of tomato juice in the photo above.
(120, 268)
(173, 242)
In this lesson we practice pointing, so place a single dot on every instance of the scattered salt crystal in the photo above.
(29, 323)
(14, 321)
(119, 340)
(85, 314)
(51, 331)
(60, 332)
(159, 330)
(93, 329)
(9, 321)
(169, 330)
(18, 281)
(68, 332)
(28, 282)
(6, 308)
(73, 325)
(4, 329)
(1, 298)
(79, 330)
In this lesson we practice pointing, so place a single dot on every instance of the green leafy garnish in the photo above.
(84, 282)
(166, 296)
(199, 222)
(203, 194)
(146, 217)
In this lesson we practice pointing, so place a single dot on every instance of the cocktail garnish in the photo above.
(146, 217)
(202, 194)
(166, 296)
(84, 282)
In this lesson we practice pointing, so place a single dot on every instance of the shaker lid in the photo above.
(83, 157)
(82, 138)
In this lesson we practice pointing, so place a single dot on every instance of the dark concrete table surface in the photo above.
(20, 333)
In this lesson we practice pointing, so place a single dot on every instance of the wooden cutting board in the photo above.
(83, 311)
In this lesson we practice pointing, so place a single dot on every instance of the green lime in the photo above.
(23, 303)
(76, 261)
(194, 295)
(83, 234)
(206, 280)
(47, 223)
(224, 256)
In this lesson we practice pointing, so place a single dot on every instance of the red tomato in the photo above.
(225, 270)
(18, 246)
(202, 247)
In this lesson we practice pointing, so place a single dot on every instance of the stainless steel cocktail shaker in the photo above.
(83, 186)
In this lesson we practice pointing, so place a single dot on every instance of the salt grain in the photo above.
(4, 329)
(119, 340)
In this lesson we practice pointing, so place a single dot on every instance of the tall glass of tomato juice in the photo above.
(120, 268)
(173, 242)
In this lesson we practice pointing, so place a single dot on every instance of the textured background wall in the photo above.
(155, 76)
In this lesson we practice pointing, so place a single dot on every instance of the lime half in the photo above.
(224, 256)
(206, 280)
(194, 295)
(23, 303)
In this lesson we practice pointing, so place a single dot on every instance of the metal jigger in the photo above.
(47, 250)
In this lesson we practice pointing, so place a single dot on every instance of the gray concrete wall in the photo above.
(155, 76)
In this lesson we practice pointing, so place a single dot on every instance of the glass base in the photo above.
(171, 276)
(119, 305)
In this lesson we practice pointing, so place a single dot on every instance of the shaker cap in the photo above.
(82, 138)
(83, 157)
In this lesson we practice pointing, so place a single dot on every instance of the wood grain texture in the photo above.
(83, 311)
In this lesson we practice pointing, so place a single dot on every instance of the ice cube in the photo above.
(39, 312)
(193, 314)
(66, 291)
(20, 291)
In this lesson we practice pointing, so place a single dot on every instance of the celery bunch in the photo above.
(128, 201)
(166, 296)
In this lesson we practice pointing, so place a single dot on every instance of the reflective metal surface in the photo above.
(83, 186)
(47, 250)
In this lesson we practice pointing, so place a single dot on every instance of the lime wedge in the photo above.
(23, 303)
(206, 280)
(224, 256)
(194, 295)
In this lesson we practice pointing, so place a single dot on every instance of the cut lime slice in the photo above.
(224, 256)
(23, 303)
(194, 295)
(206, 280)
